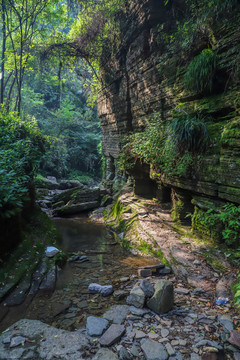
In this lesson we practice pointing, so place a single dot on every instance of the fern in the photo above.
(189, 133)
(201, 71)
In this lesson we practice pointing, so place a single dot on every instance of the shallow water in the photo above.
(108, 262)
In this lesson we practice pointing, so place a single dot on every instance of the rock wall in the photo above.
(145, 75)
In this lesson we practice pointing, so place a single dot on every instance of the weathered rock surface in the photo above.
(147, 288)
(96, 326)
(234, 338)
(44, 342)
(69, 184)
(162, 300)
(113, 334)
(77, 199)
(153, 350)
(105, 354)
(104, 290)
(136, 297)
(117, 314)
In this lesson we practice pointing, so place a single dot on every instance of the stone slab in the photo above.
(117, 314)
(112, 335)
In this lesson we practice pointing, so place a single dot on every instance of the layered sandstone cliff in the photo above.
(146, 74)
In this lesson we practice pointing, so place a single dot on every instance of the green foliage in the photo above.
(189, 132)
(171, 149)
(227, 221)
(21, 147)
(201, 71)
(236, 290)
(84, 178)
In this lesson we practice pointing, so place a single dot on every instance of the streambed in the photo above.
(69, 305)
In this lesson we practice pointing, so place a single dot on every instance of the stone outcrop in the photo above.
(76, 200)
(146, 76)
(40, 341)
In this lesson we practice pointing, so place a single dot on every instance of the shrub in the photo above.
(171, 149)
(21, 146)
(201, 71)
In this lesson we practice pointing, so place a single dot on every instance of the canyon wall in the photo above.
(145, 75)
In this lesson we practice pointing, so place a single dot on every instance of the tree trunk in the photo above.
(3, 51)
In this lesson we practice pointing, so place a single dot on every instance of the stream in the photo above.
(69, 305)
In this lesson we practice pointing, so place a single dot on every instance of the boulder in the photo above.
(163, 298)
(80, 194)
(136, 297)
(49, 183)
(70, 209)
(69, 184)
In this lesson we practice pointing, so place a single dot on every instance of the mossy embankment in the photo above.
(37, 232)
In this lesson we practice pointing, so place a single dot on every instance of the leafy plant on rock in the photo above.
(200, 73)
(189, 132)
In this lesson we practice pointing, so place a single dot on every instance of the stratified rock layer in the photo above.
(146, 75)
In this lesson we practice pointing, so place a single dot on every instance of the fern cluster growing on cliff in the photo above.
(170, 149)
(201, 71)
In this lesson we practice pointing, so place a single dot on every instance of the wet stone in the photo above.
(113, 334)
(96, 326)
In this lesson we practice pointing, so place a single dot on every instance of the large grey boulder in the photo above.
(163, 298)
(153, 350)
(136, 297)
(96, 326)
(48, 343)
